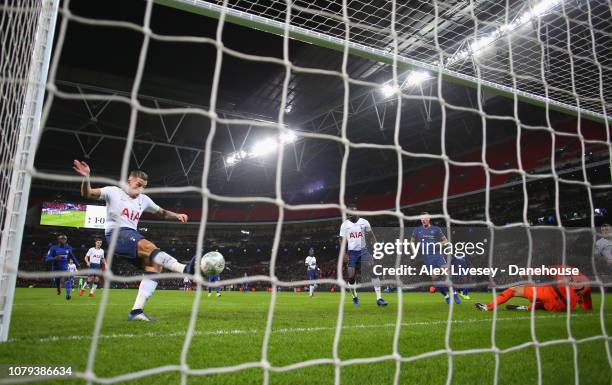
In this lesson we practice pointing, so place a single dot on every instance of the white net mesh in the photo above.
(555, 53)
(18, 30)
(24, 64)
(532, 48)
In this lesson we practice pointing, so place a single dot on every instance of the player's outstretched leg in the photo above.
(166, 260)
(151, 254)
(145, 291)
(190, 266)
(517, 307)
(153, 260)
(505, 296)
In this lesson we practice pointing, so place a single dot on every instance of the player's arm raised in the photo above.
(167, 214)
(86, 191)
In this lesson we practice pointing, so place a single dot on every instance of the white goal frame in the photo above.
(23, 158)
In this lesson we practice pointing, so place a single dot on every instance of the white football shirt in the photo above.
(95, 255)
(123, 210)
(604, 247)
(355, 233)
(72, 268)
(311, 262)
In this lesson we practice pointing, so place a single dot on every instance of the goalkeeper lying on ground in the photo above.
(551, 297)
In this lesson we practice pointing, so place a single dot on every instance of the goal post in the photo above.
(27, 29)
(598, 111)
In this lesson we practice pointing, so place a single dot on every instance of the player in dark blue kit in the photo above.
(57, 257)
(245, 284)
(432, 240)
(214, 278)
(460, 261)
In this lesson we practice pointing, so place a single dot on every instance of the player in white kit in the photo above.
(94, 259)
(72, 269)
(354, 232)
(123, 210)
(312, 271)
(604, 244)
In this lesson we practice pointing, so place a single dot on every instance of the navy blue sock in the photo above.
(466, 291)
(68, 286)
(442, 290)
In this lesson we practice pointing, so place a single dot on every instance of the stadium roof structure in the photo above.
(103, 60)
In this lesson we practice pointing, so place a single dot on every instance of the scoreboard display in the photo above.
(95, 216)
(73, 215)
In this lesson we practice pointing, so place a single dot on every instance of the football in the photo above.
(212, 263)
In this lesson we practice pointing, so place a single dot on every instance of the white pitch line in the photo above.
(283, 330)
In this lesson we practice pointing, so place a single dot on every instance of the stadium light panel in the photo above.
(387, 90)
(417, 77)
(230, 160)
(543, 7)
(288, 137)
(261, 148)
(235, 157)
(478, 45)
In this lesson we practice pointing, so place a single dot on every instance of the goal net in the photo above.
(26, 33)
(552, 56)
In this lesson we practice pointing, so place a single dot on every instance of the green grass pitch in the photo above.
(74, 218)
(47, 329)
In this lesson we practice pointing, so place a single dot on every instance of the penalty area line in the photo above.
(285, 330)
